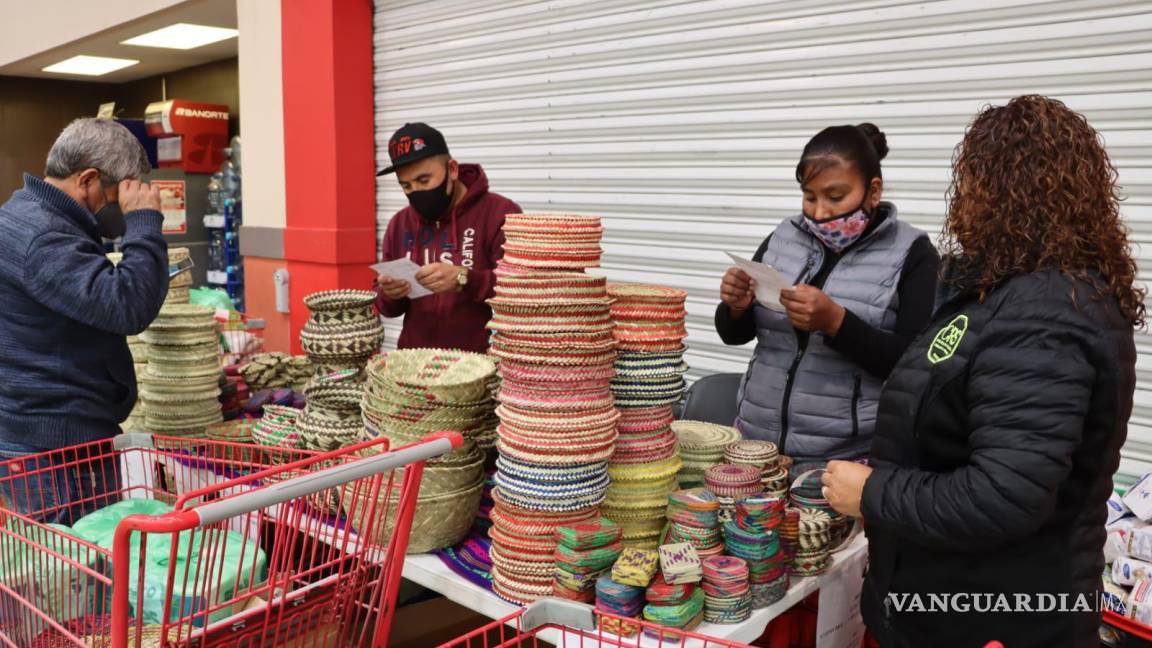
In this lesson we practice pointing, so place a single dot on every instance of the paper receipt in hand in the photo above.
(766, 281)
(404, 269)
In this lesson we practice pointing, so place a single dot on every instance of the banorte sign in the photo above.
(190, 135)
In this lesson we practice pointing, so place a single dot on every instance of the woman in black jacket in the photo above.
(1000, 428)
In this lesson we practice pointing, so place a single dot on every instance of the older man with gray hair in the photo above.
(66, 375)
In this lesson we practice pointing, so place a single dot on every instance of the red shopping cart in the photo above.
(566, 624)
(242, 556)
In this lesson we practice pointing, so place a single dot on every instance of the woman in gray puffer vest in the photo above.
(863, 288)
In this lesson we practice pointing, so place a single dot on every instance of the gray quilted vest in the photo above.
(831, 402)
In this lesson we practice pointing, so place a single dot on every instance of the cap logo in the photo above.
(418, 144)
(401, 146)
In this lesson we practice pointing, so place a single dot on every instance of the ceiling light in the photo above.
(183, 36)
(90, 65)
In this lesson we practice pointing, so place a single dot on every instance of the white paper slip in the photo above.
(766, 281)
(405, 269)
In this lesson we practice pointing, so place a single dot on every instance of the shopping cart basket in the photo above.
(241, 558)
(567, 624)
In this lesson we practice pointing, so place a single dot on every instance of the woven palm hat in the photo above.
(645, 447)
(552, 228)
(184, 317)
(646, 419)
(519, 591)
(209, 351)
(179, 388)
(665, 469)
(559, 451)
(551, 288)
(531, 522)
(545, 257)
(551, 221)
(699, 439)
(558, 421)
(535, 373)
(635, 293)
(553, 321)
(525, 397)
(571, 497)
(561, 357)
(762, 454)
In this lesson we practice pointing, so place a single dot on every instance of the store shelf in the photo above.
(428, 571)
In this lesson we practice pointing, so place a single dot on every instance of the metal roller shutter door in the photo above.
(680, 122)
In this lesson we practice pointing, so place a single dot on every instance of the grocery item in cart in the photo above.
(237, 563)
(58, 579)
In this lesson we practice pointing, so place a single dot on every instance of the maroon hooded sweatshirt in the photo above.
(470, 235)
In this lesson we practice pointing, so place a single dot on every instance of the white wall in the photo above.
(29, 28)
(262, 114)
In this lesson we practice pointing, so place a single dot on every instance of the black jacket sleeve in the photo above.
(878, 351)
(1028, 391)
(736, 331)
(71, 275)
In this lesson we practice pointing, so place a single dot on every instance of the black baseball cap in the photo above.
(412, 143)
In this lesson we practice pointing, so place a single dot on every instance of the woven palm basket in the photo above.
(341, 306)
(440, 521)
(346, 339)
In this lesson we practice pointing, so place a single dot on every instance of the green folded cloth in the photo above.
(589, 535)
(676, 616)
(587, 561)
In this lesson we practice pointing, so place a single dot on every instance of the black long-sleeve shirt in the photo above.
(875, 350)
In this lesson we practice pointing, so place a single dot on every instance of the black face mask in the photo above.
(433, 203)
(110, 221)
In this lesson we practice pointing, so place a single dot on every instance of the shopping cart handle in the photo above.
(278, 493)
(557, 612)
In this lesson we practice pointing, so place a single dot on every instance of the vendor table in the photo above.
(428, 570)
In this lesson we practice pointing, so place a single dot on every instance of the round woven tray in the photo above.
(437, 375)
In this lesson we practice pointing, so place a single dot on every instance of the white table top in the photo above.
(429, 571)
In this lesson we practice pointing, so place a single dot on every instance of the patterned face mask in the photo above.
(839, 232)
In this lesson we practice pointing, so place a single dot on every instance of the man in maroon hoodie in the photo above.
(453, 229)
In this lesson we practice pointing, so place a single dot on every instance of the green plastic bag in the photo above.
(211, 297)
(52, 571)
(230, 564)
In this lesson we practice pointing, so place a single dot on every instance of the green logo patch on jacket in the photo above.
(946, 342)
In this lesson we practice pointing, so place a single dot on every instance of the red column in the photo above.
(329, 154)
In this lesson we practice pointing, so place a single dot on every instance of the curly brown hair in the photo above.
(1033, 188)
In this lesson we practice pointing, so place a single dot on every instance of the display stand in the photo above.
(430, 572)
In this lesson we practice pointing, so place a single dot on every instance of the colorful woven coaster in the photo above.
(635, 567)
(695, 507)
(589, 535)
(661, 592)
(587, 561)
(679, 563)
